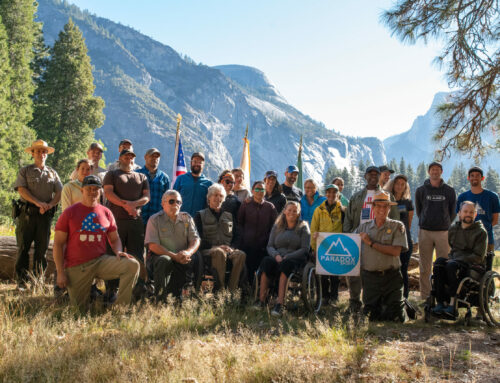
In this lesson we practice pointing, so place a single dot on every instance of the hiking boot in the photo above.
(438, 310)
(277, 310)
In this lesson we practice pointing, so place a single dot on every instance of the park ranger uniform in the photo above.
(31, 226)
(380, 273)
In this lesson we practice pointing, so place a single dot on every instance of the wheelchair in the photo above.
(480, 288)
(303, 284)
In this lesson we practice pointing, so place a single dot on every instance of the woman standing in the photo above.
(310, 200)
(401, 190)
(287, 248)
(274, 193)
(72, 191)
(327, 218)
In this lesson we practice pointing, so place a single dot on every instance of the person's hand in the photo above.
(278, 258)
(183, 257)
(62, 280)
(124, 254)
(44, 207)
(129, 207)
(226, 248)
(365, 238)
(316, 235)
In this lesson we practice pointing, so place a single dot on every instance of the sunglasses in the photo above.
(176, 201)
(228, 182)
(259, 190)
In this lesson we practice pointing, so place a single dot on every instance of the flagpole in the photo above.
(176, 150)
(245, 160)
(299, 165)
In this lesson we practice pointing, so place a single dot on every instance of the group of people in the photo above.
(150, 231)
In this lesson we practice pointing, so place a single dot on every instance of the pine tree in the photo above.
(492, 181)
(348, 187)
(66, 112)
(458, 178)
(7, 171)
(402, 166)
(18, 19)
(411, 178)
(331, 173)
(394, 165)
(421, 174)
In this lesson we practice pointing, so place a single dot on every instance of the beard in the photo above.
(468, 220)
(196, 169)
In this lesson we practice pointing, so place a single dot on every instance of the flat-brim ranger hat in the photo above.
(382, 197)
(39, 144)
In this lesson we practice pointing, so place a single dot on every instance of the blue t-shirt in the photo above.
(487, 204)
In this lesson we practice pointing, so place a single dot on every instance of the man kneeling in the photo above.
(172, 240)
(468, 241)
(84, 228)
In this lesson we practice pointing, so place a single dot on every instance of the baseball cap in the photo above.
(127, 151)
(125, 141)
(385, 168)
(198, 154)
(271, 173)
(331, 186)
(152, 151)
(292, 169)
(96, 145)
(434, 163)
(401, 176)
(372, 169)
(92, 180)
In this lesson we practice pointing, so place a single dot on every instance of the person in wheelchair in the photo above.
(172, 240)
(467, 240)
(215, 228)
(288, 247)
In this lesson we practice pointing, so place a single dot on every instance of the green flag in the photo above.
(299, 165)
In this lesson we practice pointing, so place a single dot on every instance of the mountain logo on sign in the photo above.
(339, 251)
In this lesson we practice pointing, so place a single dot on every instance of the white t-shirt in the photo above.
(366, 210)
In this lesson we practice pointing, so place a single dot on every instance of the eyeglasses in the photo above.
(176, 201)
(229, 182)
(261, 190)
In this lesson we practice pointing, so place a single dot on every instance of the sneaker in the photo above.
(450, 312)
(277, 310)
(258, 305)
(438, 309)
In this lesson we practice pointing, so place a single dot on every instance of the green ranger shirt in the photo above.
(173, 236)
(393, 233)
(43, 184)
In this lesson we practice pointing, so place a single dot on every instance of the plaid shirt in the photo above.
(157, 187)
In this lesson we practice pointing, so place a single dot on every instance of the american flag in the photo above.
(179, 164)
(88, 224)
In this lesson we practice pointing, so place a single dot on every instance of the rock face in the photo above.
(145, 84)
(417, 144)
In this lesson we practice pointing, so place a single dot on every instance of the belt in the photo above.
(381, 272)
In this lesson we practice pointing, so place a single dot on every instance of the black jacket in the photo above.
(468, 245)
(278, 200)
(435, 206)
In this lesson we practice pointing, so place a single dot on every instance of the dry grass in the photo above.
(218, 340)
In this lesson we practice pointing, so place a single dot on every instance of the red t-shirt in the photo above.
(87, 229)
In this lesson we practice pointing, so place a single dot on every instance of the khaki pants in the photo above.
(219, 258)
(427, 242)
(105, 267)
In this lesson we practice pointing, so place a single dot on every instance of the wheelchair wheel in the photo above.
(311, 288)
(489, 297)
(292, 292)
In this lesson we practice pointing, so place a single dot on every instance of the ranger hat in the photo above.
(382, 197)
(39, 144)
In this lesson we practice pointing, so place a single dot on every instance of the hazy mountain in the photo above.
(417, 144)
(145, 84)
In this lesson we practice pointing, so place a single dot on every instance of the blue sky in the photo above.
(331, 59)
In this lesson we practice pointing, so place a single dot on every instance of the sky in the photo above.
(331, 59)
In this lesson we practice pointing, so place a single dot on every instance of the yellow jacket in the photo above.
(325, 222)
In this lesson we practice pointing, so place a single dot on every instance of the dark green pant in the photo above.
(31, 228)
(169, 276)
(383, 295)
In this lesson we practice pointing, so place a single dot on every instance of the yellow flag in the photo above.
(245, 160)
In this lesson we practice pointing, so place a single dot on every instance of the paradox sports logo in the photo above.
(338, 254)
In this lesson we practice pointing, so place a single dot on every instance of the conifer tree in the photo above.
(402, 166)
(458, 178)
(18, 20)
(421, 175)
(7, 171)
(394, 165)
(492, 180)
(348, 186)
(66, 111)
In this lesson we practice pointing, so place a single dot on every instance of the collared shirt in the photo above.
(157, 187)
(174, 236)
(392, 233)
(41, 183)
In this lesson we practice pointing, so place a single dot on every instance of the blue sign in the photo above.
(338, 254)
